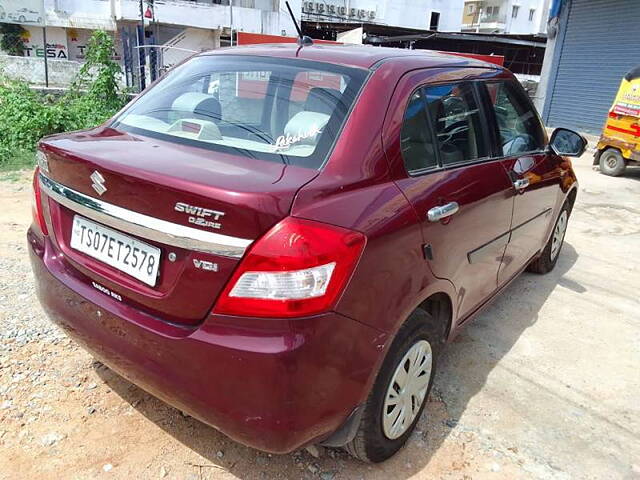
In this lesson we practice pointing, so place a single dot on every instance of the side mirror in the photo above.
(567, 142)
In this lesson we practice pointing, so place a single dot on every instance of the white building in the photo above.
(187, 24)
(505, 16)
(443, 15)
(181, 27)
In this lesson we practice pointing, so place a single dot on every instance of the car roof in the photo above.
(361, 56)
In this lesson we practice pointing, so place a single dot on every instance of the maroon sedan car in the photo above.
(279, 241)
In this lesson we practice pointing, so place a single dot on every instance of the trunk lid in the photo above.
(236, 197)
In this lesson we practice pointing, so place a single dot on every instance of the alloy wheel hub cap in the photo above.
(558, 234)
(611, 161)
(407, 390)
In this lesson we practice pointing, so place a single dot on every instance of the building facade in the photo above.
(442, 15)
(178, 27)
(505, 16)
(188, 24)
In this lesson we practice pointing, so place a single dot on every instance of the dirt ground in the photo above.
(544, 384)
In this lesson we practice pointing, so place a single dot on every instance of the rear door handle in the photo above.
(436, 214)
(521, 184)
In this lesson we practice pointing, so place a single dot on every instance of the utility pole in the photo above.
(231, 14)
(141, 53)
(44, 40)
(46, 61)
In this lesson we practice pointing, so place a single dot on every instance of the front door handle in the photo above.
(436, 214)
(521, 184)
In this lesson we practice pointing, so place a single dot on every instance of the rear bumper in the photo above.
(630, 150)
(274, 385)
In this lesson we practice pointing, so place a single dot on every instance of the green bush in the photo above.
(12, 40)
(26, 116)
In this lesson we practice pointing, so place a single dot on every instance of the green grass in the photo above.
(13, 177)
(19, 160)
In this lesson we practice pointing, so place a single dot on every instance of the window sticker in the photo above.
(283, 142)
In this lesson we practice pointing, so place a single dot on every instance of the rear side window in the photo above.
(282, 110)
(519, 129)
(457, 123)
(416, 139)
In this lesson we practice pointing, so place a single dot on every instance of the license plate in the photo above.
(120, 251)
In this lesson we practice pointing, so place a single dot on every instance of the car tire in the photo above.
(21, 19)
(549, 256)
(612, 162)
(372, 443)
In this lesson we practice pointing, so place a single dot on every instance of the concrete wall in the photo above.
(504, 21)
(417, 13)
(268, 20)
(522, 24)
(30, 69)
(91, 14)
(194, 39)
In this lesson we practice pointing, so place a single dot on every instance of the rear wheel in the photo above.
(612, 163)
(400, 391)
(549, 256)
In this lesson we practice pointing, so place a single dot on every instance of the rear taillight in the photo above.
(36, 207)
(300, 267)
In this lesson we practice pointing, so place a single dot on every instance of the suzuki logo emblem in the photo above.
(98, 182)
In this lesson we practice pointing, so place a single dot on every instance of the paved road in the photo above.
(545, 384)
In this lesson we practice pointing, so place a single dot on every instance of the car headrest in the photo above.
(304, 127)
(207, 106)
(322, 100)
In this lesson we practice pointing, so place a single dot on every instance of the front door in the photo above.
(461, 195)
(534, 174)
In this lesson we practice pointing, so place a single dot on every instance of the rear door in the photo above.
(461, 195)
(535, 176)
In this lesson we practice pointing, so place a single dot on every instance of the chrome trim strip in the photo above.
(143, 225)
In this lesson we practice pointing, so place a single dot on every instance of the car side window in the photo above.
(457, 122)
(519, 129)
(416, 140)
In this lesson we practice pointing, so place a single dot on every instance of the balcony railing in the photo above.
(493, 18)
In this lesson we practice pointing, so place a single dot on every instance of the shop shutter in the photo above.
(601, 44)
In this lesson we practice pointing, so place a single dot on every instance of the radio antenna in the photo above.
(303, 40)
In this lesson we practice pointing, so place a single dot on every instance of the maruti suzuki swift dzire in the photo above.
(279, 241)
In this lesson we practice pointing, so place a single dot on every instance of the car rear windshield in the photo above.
(282, 110)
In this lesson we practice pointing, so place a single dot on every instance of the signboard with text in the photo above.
(56, 43)
(337, 11)
(24, 12)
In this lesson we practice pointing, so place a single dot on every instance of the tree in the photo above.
(12, 40)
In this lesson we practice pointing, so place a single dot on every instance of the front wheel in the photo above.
(549, 256)
(400, 391)
(612, 163)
